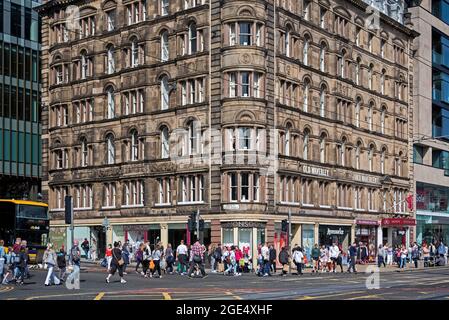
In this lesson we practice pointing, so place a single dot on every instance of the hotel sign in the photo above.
(315, 171)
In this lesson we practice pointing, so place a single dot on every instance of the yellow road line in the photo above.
(328, 295)
(6, 289)
(229, 293)
(166, 296)
(59, 295)
(99, 296)
(371, 296)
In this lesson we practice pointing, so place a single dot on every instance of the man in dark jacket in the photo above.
(283, 259)
(217, 256)
(353, 257)
(272, 259)
(60, 259)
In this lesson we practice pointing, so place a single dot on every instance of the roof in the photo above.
(25, 202)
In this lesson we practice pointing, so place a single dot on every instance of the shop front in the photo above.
(366, 233)
(431, 228)
(396, 231)
(330, 234)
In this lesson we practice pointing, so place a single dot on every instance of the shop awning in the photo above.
(398, 222)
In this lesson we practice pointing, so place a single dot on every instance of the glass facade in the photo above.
(440, 9)
(20, 128)
(432, 198)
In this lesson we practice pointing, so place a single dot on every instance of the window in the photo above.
(86, 27)
(324, 194)
(358, 31)
(245, 83)
(244, 138)
(233, 85)
(136, 12)
(358, 198)
(370, 116)
(306, 96)
(193, 137)
(307, 9)
(382, 160)
(164, 191)
(84, 66)
(342, 152)
(382, 120)
(305, 52)
(341, 64)
(83, 197)
(243, 187)
(322, 57)
(134, 193)
(323, 101)
(370, 77)
(234, 186)
(287, 38)
(357, 112)
(323, 148)
(440, 9)
(370, 158)
(357, 155)
(307, 192)
(287, 142)
(84, 153)
(382, 48)
(370, 42)
(164, 45)
(192, 189)
(323, 14)
(305, 152)
(110, 19)
(164, 7)
(110, 149)
(109, 195)
(192, 38)
(382, 82)
(357, 72)
(110, 60)
(134, 53)
(134, 146)
(165, 144)
(245, 33)
(111, 103)
(164, 93)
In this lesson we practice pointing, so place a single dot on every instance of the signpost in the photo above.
(69, 217)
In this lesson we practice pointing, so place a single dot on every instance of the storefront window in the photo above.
(432, 198)
(245, 240)
(368, 236)
(341, 235)
(260, 236)
(228, 236)
(430, 230)
(308, 240)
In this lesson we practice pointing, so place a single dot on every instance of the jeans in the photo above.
(51, 277)
(299, 267)
(273, 265)
(2, 266)
(169, 267)
(415, 260)
(157, 267)
(86, 252)
(266, 267)
(183, 261)
(139, 262)
(389, 259)
(75, 273)
(212, 263)
(232, 267)
(352, 264)
(403, 262)
(62, 273)
(380, 261)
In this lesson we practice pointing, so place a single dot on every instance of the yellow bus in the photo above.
(27, 220)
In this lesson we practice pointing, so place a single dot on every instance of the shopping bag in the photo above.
(152, 265)
(285, 268)
(220, 267)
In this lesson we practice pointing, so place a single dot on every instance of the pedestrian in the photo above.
(217, 257)
(62, 264)
(85, 246)
(334, 251)
(2, 258)
(169, 259)
(93, 250)
(20, 265)
(380, 256)
(316, 258)
(181, 254)
(146, 259)
(117, 263)
(425, 254)
(272, 252)
(445, 254)
(415, 254)
(156, 256)
(284, 257)
(403, 252)
(9, 265)
(196, 259)
(75, 262)
(323, 258)
(139, 257)
(298, 258)
(49, 258)
(125, 256)
(353, 257)
(232, 263)
(109, 256)
(266, 260)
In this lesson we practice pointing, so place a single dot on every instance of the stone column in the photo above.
(316, 233)
(164, 234)
(215, 231)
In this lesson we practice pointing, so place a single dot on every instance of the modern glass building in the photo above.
(431, 138)
(20, 128)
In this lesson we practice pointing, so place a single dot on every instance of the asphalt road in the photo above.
(405, 285)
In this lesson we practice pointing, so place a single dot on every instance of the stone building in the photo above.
(240, 110)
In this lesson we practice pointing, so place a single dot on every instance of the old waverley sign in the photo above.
(315, 171)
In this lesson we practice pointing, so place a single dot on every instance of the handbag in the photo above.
(120, 262)
(152, 265)
(285, 268)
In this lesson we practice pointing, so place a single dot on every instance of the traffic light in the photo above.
(192, 222)
(284, 225)
(68, 209)
(201, 225)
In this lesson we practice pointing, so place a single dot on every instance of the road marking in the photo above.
(328, 295)
(166, 296)
(59, 295)
(99, 296)
(229, 293)
(6, 289)
(371, 296)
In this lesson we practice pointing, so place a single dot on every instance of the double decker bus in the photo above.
(27, 220)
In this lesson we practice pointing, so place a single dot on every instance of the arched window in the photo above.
(165, 144)
(305, 51)
(382, 160)
(323, 101)
(382, 119)
(323, 148)
(370, 157)
(84, 153)
(342, 152)
(287, 141)
(287, 42)
(164, 7)
(134, 53)
(192, 38)
(306, 96)
(84, 65)
(110, 149)
(305, 150)
(370, 115)
(399, 165)
(357, 72)
(111, 103)
(193, 137)
(357, 155)
(165, 93)
(164, 46)
(370, 77)
(134, 146)
(110, 60)
(382, 82)
(322, 57)
(358, 104)
(341, 64)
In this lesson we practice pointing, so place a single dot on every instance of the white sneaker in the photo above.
(123, 281)
(107, 280)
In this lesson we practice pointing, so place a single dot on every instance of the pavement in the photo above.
(388, 284)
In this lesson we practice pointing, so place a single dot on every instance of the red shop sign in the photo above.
(398, 222)
(367, 222)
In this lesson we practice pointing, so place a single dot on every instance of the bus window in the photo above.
(25, 211)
